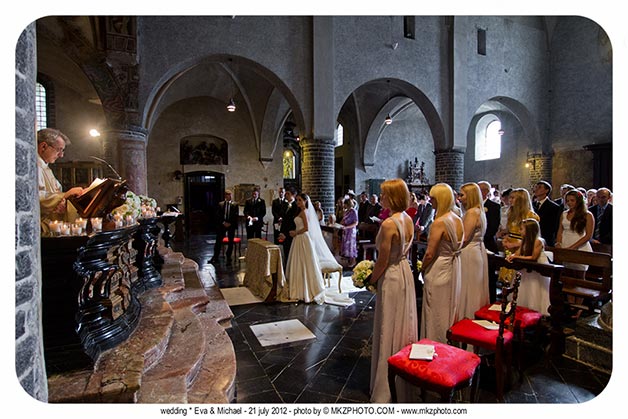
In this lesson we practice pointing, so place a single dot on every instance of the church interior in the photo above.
(185, 108)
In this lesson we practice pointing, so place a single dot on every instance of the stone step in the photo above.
(215, 382)
(179, 353)
(168, 380)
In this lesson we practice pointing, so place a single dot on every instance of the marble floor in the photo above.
(335, 367)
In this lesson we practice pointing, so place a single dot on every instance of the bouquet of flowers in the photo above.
(132, 206)
(361, 275)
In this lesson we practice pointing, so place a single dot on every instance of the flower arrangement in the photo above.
(362, 274)
(132, 206)
(148, 202)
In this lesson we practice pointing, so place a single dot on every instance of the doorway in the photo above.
(203, 192)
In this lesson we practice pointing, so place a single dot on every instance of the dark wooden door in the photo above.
(203, 192)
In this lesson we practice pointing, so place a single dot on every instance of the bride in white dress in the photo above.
(308, 252)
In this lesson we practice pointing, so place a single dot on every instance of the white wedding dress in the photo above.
(305, 278)
(308, 253)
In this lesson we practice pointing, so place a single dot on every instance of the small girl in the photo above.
(534, 288)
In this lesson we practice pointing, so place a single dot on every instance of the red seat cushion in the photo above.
(450, 367)
(235, 240)
(524, 317)
(473, 334)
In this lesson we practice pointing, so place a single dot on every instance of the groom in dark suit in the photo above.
(548, 211)
(287, 222)
(228, 214)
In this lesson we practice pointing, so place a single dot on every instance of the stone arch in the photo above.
(403, 94)
(516, 109)
(266, 139)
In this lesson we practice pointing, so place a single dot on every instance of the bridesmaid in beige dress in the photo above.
(441, 267)
(395, 325)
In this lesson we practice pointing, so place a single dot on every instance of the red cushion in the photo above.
(524, 317)
(473, 334)
(450, 367)
(235, 240)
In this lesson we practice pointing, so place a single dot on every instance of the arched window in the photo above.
(339, 135)
(289, 167)
(40, 106)
(488, 138)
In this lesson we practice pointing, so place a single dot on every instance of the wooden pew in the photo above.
(595, 287)
(557, 301)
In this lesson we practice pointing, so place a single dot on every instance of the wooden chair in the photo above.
(468, 332)
(451, 369)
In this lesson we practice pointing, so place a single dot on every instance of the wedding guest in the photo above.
(254, 211)
(591, 198)
(349, 246)
(228, 213)
(319, 212)
(474, 292)
(534, 288)
(603, 215)
(576, 228)
(441, 267)
(413, 207)
(424, 217)
(395, 323)
(493, 217)
(279, 207)
(520, 209)
(363, 207)
(548, 211)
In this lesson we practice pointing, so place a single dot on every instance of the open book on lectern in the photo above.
(100, 198)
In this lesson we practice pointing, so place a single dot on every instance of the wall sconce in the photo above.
(94, 133)
(178, 175)
(388, 120)
(501, 132)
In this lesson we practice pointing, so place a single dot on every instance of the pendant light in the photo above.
(231, 107)
(388, 119)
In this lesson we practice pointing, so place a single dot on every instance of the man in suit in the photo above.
(548, 211)
(254, 211)
(287, 224)
(363, 207)
(603, 214)
(279, 207)
(564, 188)
(493, 217)
(228, 212)
(492, 211)
(424, 217)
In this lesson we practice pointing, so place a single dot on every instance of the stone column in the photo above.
(317, 171)
(125, 150)
(29, 352)
(450, 167)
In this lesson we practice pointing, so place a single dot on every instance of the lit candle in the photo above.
(76, 229)
(129, 220)
(65, 229)
(55, 227)
(96, 224)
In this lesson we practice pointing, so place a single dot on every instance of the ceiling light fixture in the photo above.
(231, 107)
(388, 119)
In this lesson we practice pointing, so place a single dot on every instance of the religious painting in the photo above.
(203, 149)
(243, 191)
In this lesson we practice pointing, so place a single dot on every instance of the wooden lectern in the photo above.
(100, 198)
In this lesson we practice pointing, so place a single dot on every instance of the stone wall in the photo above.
(29, 359)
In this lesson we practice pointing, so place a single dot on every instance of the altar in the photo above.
(264, 270)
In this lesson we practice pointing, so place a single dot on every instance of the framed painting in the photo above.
(204, 149)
